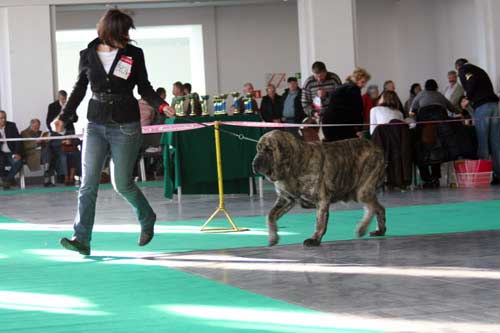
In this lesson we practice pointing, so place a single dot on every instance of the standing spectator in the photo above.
(346, 107)
(247, 89)
(10, 152)
(454, 91)
(55, 109)
(271, 108)
(318, 89)
(386, 110)
(32, 150)
(293, 112)
(389, 85)
(479, 91)
(370, 100)
(415, 89)
(431, 96)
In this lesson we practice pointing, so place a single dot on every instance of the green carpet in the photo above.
(61, 188)
(45, 289)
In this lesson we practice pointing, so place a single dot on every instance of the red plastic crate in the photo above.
(474, 179)
(473, 166)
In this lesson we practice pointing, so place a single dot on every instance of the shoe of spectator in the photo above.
(13, 182)
(495, 181)
(48, 184)
(428, 185)
(436, 184)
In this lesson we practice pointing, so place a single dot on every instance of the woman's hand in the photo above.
(57, 125)
(169, 111)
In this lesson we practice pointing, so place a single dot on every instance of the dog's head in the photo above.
(276, 151)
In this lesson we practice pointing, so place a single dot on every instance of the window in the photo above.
(173, 53)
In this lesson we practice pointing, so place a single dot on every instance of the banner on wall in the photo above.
(279, 79)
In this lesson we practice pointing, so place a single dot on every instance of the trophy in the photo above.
(204, 105)
(217, 104)
(248, 100)
(235, 96)
(192, 99)
(224, 103)
(179, 106)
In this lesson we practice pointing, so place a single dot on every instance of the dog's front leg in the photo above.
(281, 207)
(321, 225)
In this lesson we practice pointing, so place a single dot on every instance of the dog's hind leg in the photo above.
(367, 218)
(321, 225)
(281, 207)
(380, 211)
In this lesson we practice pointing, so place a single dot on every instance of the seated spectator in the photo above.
(346, 107)
(32, 150)
(247, 89)
(71, 160)
(10, 152)
(370, 99)
(178, 91)
(271, 108)
(454, 92)
(391, 86)
(414, 91)
(147, 111)
(386, 110)
(431, 96)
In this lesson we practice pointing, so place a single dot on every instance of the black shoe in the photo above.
(145, 237)
(495, 181)
(75, 245)
(436, 183)
(428, 185)
(48, 184)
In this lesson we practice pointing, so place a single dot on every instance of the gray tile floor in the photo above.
(442, 283)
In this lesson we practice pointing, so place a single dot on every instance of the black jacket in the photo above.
(346, 107)
(271, 109)
(11, 132)
(477, 85)
(297, 103)
(53, 111)
(122, 107)
(441, 142)
(396, 142)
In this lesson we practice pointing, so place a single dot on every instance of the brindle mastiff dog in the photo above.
(316, 174)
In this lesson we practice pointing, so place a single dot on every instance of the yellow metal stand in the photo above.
(221, 208)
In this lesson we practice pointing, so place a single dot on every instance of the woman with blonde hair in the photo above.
(346, 107)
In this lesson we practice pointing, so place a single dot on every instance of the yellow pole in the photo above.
(220, 182)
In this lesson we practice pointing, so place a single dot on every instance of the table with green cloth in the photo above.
(190, 161)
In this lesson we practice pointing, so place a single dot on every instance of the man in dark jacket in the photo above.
(10, 152)
(293, 112)
(479, 92)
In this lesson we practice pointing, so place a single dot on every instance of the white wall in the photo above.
(415, 40)
(255, 40)
(241, 43)
(26, 63)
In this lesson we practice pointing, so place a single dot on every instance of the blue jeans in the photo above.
(122, 142)
(488, 134)
(6, 159)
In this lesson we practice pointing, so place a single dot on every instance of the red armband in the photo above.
(160, 109)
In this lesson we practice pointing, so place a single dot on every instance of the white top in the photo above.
(107, 59)
(383, 115)
(5, 147)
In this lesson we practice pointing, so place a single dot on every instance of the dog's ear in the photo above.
(284, 157)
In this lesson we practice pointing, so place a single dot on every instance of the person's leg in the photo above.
(482, 124)
(435, 174)
(95, 149)
(15, 166)
(125, 143)
(495, 139)
(424, 173)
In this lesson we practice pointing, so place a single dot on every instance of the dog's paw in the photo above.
(361, 231)
(378, 233)
(273, 240)
(311, 242)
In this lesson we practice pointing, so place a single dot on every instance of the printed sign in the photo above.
(124, 67)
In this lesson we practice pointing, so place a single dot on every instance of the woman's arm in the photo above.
(68, 113)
